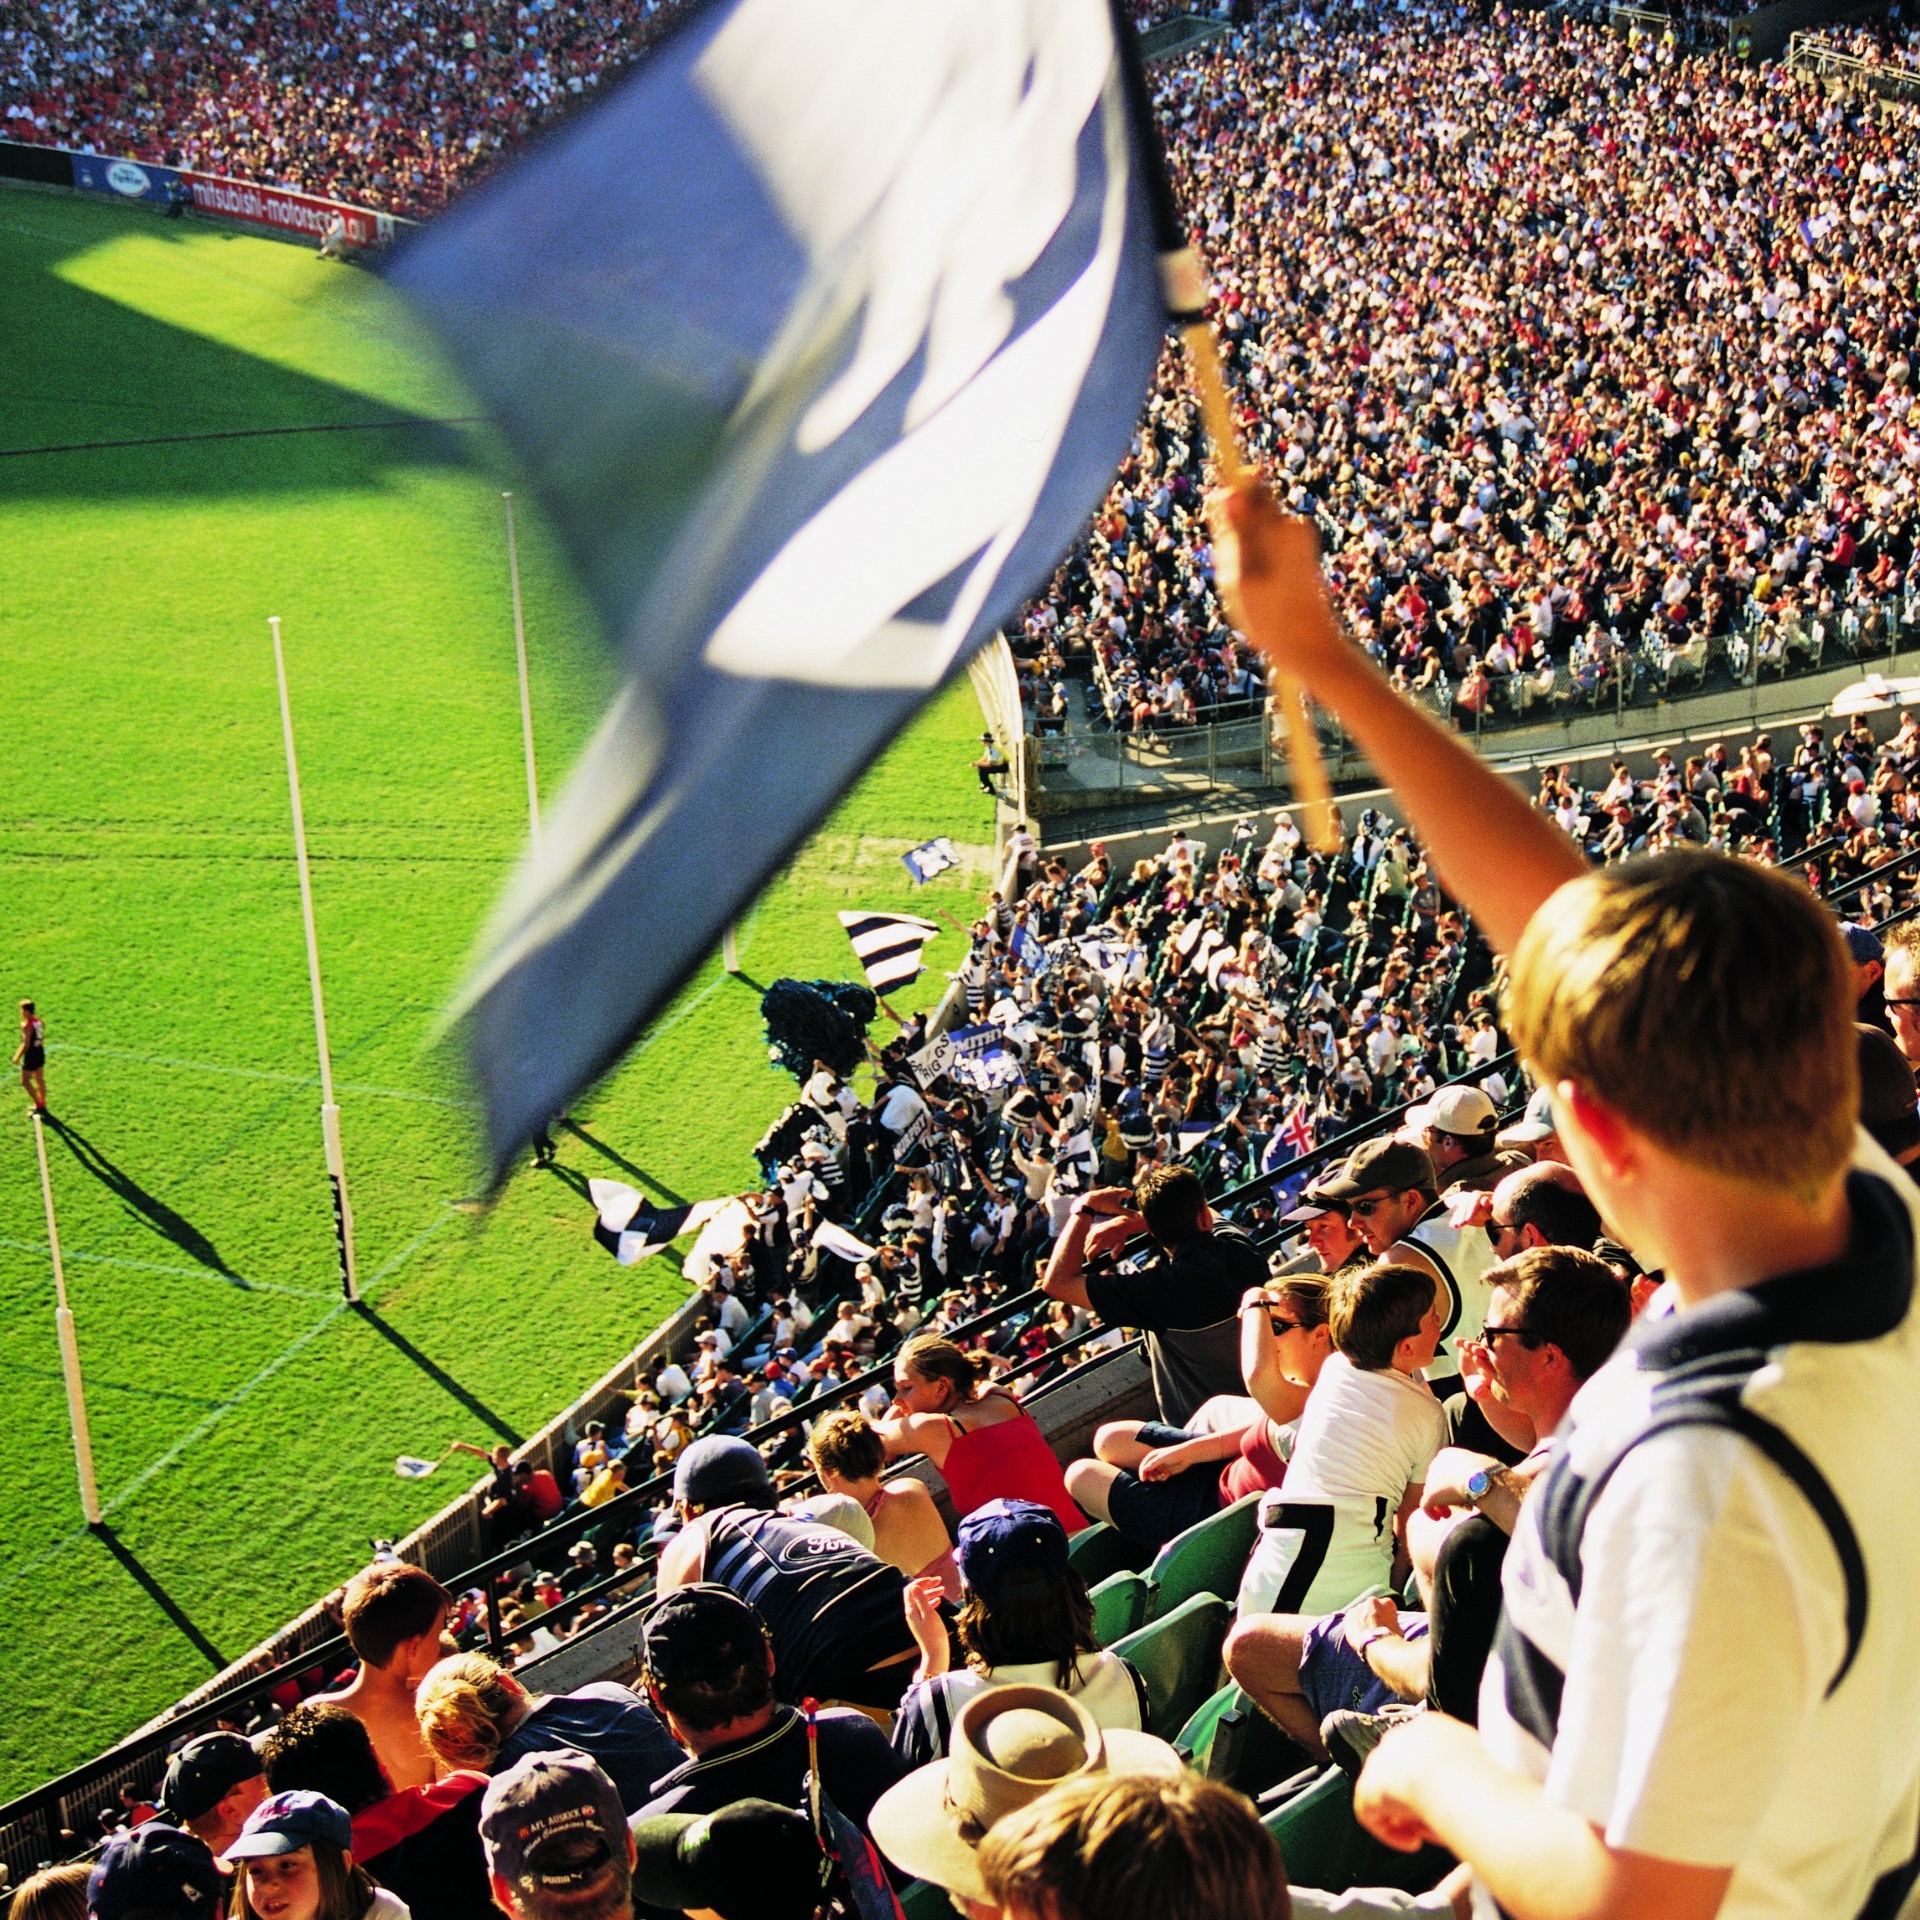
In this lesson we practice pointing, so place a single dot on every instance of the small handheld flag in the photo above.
(928, 858)
(819, 337)
(1028, 950)
(888, 947)
(411, 1467)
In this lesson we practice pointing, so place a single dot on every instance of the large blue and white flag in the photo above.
(928, 858)
(820, 338)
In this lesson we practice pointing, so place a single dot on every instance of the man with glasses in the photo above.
(1390, 1192)
(1901, 988)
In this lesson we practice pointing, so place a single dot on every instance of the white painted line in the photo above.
(258, 1073)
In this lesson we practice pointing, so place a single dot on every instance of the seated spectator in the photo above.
(556, 1840)
(984, 1445)
(395, 1619)
(155, 1872)
(709, 1667)
(294, 1861)
(607, 1484)
(422, 1843)
(475, 1714)
(748, 1861)
(1153, 1482)
(1025, 1620)
(1457, 1128)
(1187, 1302)
(1555, 1314)
(212, 1784)
(1008, 1746)
(908, 1531)
(54, 1893)
(835, 1611)
(1135, 1848)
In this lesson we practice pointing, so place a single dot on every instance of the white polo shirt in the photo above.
(1686, 1705)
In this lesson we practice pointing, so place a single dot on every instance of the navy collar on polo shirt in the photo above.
(1861, 1296)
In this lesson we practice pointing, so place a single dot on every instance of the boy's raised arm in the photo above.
(1496, 855)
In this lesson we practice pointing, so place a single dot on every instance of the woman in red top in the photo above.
(985, 1447)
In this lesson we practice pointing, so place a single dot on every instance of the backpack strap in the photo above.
(1709, 1396)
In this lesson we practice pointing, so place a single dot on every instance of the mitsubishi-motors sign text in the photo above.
(288, 211)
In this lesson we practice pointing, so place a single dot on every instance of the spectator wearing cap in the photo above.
(422, 1843)
(1009, 1746)
(1187, 1302)
(751, 1860)
(1457, 1128)
(1534, 1132)
(155, 1872)
(395, 1617)
(1331, 1237)
(1391, 1195)
(709, 1665)
(834, 1610)
(294, 1861)
(1888, 1103)
(908, 1532)
(1024, 1620)
(1869, 959)
(475, 1714)
(556, 1840)
(212, 1784)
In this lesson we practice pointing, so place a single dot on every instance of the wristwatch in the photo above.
(1478, 1481)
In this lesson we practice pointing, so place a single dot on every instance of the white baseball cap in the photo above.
(1457, 1110)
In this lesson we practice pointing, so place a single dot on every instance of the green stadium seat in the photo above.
(1230, 1740)
(1209, 1558)
(1178, 1656)
(1098, 1550)
(1119, 1605)
(1324, 1846)
(922, 1900)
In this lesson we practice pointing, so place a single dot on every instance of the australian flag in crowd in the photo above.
(820, 338)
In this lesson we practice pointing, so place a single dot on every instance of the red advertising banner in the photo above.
(288, 211)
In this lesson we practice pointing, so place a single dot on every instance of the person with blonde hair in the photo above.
(985, 1445)
(475, 1714)
(848, 1453)
(1704, 1693)
(54, 1893)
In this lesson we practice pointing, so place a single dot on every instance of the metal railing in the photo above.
(1891, 80)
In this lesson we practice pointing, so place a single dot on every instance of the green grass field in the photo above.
(244, 1422)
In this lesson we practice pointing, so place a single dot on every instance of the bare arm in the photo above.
(1494, 852)
(1065, 1276)
(926, 1433)
(1433, 1780)
(683, 1561)
(1279, 1398)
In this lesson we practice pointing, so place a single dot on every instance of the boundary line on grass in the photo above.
(260, 1073)
(238, 1283)
(247, 433)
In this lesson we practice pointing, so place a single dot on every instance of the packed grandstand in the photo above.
(1082, 1464)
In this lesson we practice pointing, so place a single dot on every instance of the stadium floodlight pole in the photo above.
(526, 697)
(329, 1111)
(69, 1344)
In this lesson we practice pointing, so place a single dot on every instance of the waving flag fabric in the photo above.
(928, 858)
(630, 1227)
(820, 338)
(888, 946)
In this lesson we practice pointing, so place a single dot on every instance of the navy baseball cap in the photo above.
(205, 1771)
(1863, 944)
(286, 1822)
(156, 1869)
(720, 1470)
(700, 1634)
(1011, 1543)
(552, 1820)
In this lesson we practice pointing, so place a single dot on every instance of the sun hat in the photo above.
(1009, 1746)
(750, 1860)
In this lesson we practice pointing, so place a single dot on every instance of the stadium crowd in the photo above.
(1592, 359)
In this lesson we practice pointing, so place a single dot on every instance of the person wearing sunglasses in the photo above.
(1900, 989)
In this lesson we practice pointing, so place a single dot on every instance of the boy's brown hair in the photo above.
(1136, 1847)
(1373, 1309)
(1709, 1002)
(388, 1603)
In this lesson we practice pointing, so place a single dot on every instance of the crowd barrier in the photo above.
(279, 209)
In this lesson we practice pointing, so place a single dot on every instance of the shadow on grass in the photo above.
(625, 1165)
(158, 1594)
(170, 1225)
(437, 1374)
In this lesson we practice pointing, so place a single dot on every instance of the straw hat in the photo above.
(1009, 1746)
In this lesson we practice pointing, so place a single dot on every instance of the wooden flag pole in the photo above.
(1310, 784)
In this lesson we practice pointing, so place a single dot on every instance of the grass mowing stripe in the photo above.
(149, 907)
